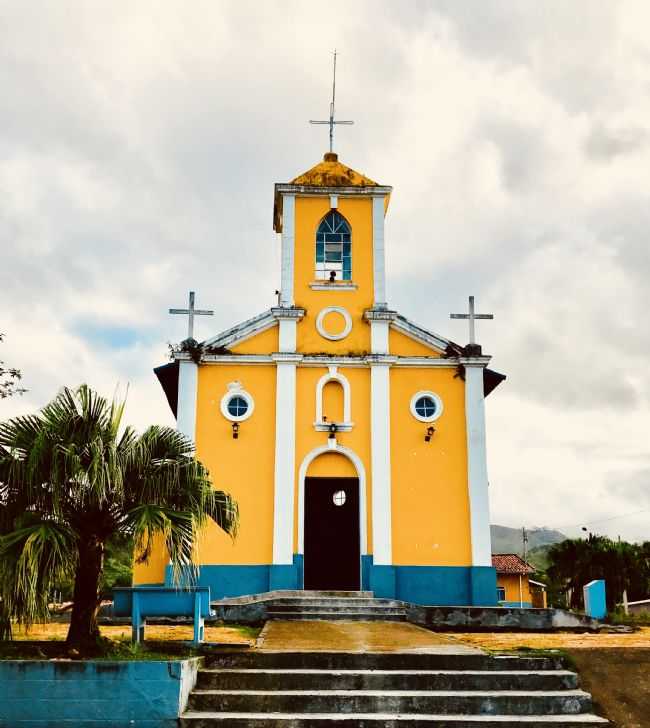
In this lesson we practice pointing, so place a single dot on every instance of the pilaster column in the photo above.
(188, 380)
(378, 258)
(379, 320)
(479, 504)
(287, 319)
(288, 247)
(285, 455)
(380, 459)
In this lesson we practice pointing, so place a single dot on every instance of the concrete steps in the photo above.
(352, 606)
(387, 720)
(387, 680)
(263, 689)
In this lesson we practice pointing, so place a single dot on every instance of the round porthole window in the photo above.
(237, 405)
(339, 498)
(426, 406)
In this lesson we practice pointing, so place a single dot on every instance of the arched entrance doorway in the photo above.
(332, 552)
(332, 534)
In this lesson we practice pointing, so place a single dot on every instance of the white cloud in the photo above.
(138, 148)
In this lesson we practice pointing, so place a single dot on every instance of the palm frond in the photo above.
(33, 558)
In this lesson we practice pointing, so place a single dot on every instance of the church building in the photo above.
(352, 438)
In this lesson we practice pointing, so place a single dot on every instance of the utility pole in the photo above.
(524, 534)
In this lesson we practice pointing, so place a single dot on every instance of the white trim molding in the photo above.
(361, 474)
(380, 460)
(327, 286)
(188, 382)
(288, 248)
(477, 478)
(333, 375)
(439, 407)
(378, 255)
(235, 389)
(417, 333)
(285, 449)
(334, 309)
(243, 331)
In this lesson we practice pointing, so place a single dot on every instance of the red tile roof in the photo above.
(511, 564)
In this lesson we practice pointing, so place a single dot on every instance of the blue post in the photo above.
(198, 619)
(137, 623)
(595, 601)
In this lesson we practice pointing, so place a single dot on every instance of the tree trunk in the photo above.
(83, 634)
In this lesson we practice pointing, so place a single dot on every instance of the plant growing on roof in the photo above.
(72, 478)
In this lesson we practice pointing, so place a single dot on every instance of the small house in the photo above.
(515, 588)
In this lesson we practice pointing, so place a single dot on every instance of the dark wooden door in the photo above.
(332, 551)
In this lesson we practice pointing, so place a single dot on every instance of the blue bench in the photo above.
(143, 602)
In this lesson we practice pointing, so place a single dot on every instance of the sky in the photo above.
(139, 144)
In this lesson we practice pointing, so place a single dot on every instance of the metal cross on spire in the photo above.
(191, 312)
(331, 121)
(472, 318)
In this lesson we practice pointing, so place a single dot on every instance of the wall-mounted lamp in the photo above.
(332, 430)
(429, 432)
(235, 430)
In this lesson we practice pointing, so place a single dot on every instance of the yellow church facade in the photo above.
(352, 439)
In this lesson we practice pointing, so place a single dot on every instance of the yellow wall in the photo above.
(402, 345)
(153, 572)
(265, 342)
(243, 467)
(358, 440)
(511, 584)
(333, 402)
(309, 213)
(331, 465)
(430, 508)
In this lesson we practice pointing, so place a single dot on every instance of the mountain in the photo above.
(509, 540)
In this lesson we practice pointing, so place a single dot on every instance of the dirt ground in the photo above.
(229, 635)
(619, 682)
(554, 640)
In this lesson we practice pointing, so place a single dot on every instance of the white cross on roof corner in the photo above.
(471, 317)
(191, 312)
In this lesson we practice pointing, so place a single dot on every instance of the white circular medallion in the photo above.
(321, 318)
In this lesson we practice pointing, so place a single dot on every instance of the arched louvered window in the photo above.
(334, 248)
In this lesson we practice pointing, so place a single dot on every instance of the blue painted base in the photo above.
(431, 585)
(516, 605)
(234, 580)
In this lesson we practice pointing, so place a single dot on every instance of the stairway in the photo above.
(261, 689)
(351, 606)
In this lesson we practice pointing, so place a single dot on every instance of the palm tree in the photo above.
(71, 478)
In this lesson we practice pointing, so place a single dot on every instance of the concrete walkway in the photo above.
(341, 636)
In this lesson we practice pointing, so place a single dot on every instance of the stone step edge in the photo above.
(410, 673)
(290, 593)
(404, 693)
(400, 613)
(334, 604)
(577, 718)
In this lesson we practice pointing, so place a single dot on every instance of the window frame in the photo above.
(501, 590)
(432, 395)
(337, 249)
(237, 391)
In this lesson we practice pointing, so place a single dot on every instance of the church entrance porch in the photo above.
(332, 555)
